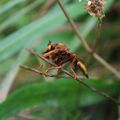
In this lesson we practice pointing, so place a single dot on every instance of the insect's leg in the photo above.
(58, 72)
(40, 66)
(71, 69)
(47, 55)
(51, 68)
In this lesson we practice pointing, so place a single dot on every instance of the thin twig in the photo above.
(41, 73)
(85, 44)
(78, 79)
(96, 41)
(95, 44)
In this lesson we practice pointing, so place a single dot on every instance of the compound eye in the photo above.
(50, 47)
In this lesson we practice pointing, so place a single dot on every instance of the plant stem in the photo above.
(95, 44)
(39, 72)
(85, 44)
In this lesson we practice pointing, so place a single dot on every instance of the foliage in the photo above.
(32, 24)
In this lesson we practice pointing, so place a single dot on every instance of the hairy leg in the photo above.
(51, 68)
(40, 66)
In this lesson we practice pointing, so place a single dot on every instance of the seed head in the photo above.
(95, 8)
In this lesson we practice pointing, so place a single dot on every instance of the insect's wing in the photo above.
(83, 68)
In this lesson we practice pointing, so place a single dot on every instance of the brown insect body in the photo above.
(59, 54)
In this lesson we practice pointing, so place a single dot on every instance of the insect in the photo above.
(60, 54)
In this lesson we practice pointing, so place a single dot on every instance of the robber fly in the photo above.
(60, 54)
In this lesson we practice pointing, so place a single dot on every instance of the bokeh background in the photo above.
(25, 95)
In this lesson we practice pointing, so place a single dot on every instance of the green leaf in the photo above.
(9, 5)
(63, 92)
(18, 15)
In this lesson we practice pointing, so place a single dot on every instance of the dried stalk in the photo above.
(96, 41)
(97, 35)
(85, 44)
(41, 73)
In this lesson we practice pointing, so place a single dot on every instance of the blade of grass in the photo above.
(9, 79)
(18, 15)
(9, 5)
(47, 92)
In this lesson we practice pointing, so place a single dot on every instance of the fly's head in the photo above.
(51, 46)
(55, 46)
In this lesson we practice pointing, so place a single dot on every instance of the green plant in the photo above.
(31, 24)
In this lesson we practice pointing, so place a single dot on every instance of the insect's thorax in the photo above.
(61, 57)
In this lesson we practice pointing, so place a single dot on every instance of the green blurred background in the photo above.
(25, 95)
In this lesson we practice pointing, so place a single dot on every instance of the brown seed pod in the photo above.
(95, 7)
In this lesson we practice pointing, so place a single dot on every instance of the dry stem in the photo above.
(97, 35)
(41, 73)
(85, 44)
